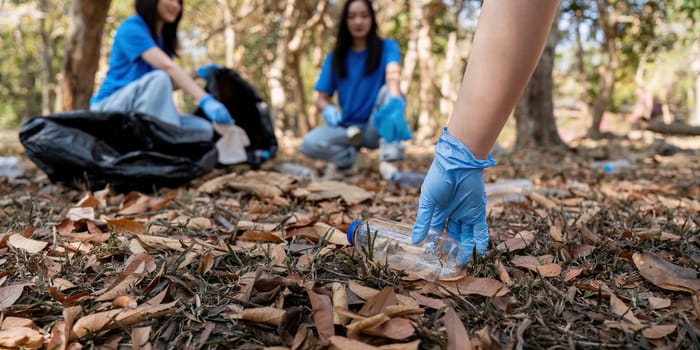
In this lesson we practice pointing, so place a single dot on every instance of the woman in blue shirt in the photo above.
(142, 74)
(365, 71)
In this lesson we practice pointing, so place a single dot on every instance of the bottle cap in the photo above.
(351, 230)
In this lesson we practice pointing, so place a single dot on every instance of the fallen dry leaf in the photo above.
(457, 336)
(395, 328)
(106, 320)
(658, 331)
(268, 315)
(21, 337)
(622, 310)
(359, 326)
(665, 274)
(139, 338)
(429, 302)
(487, 287)
(32, 246)
(322, 314)
(321, 190)
(342, 343)
(12, 322)
(9, 295)
(126, 226)
(659, 303)
(402, 346)
(340, 300)
(521, 241)
(571, 273)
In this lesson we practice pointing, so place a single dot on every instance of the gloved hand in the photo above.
(453, 190)
(332, 115)
(390, 122)
(215, 110)
(203, 71)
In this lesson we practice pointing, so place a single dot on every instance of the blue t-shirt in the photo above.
(357, 92)
(133, 38)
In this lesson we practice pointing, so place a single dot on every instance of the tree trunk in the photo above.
(607, 18)
(447, 86)
(409, 61)
(47, 72)
(427, 125)
(278, 96)
(534, 113)
(26, 78)
(83, 44)
(581, 66)
(229, 33)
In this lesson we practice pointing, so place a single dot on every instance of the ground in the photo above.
(587, 260)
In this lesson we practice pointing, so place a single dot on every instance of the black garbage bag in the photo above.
(128, 151)
(247, 108)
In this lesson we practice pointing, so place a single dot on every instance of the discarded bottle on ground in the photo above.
(298, 170)
(508, 190)
(10, 167)
(611, 166)
(389, 243)
(407, 179)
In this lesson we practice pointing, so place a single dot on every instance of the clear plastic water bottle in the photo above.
(10, 167)
(611, 166)
(389, 242)
(298, 170)
(407, 179)
(508, 190)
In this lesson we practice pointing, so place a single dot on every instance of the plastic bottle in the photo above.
(298, 170)
(407, 179)
(611, 166)
(10, 167)
(508, 190)
(389, 242)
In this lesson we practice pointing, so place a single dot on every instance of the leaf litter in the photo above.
(259, 260)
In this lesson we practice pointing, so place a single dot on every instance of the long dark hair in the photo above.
(343, 42)
(148, 10)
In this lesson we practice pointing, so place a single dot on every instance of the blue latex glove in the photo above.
(215, 111)
(332, 116)
(203, 71)
(453, 191)
(390, 122)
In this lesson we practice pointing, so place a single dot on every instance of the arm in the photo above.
(321, 99)
(509, 40)
(157, 58)
(393, 78)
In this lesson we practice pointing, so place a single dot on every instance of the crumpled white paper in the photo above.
(232, 144)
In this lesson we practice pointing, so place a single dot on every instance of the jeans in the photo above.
(331, 144)
(153, 94)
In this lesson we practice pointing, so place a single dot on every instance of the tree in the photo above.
(534, 113)
(83, 52)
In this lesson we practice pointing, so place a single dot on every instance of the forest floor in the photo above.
(259, 260)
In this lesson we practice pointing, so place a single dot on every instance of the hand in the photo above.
(214, 110)
(204, 71)
(390, 122)
(453, 191)
(332, 115)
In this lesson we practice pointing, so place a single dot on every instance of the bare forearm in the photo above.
(509, 40)
(393, 78)
(322, 100)
(185, 82)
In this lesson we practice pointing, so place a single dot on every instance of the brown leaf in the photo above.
(659, 303)
(342, 343)
(545, 202)
(88, 201)
(357, 327)
(199, 223)
(457, 336)
(503, 273)
(263, 184)
(58, 339)
(521, 241)
(268, 315)
(658, 331)
(65, 226)
(395, 328)
(330, 234)
(126, 226)
(487, 287)
(138, 206)
(367, 292)
(9, 295)
(259, 236)
(379, 302)
(622, 310)
(340, 300)
(308, 232)
(12, 322)
(665, 274)
(582, 250)
(139, 338)
(32, 246)
(429, 302)
(21, 337)
(556, 234)
(322, 313)
(571, 273)
(125, 301)
(106, 320)
(206, 263)
(321, 190)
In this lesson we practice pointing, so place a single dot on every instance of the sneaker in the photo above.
(354, 135)
(387, 170)
(332, 172)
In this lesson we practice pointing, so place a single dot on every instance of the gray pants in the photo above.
(153, 94)
(331, 144)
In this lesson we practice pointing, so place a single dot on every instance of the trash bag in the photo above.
(128, 151)
(248, 109)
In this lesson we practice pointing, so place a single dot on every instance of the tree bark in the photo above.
(26, 78)
(46, 57)
(83, 52)
(608, 20)
(427, 125)
(411, 57)
(229, 33)
(278, 96)
(534, 113)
